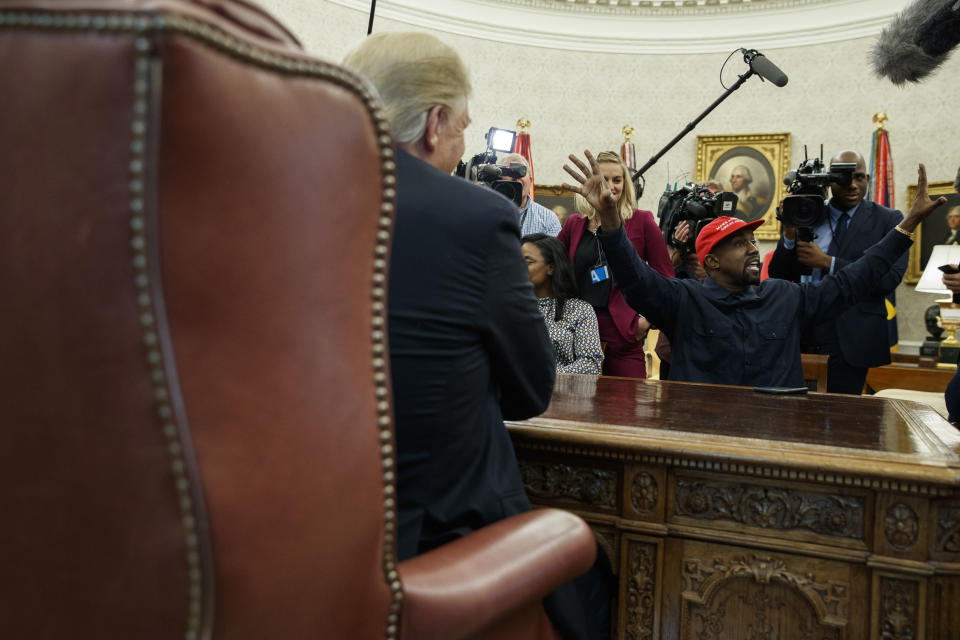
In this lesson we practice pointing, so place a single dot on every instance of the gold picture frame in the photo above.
(766, 158)
(932, 231)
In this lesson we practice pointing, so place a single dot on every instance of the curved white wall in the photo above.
(579, 99)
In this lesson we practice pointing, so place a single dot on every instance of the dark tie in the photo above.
(839, 230)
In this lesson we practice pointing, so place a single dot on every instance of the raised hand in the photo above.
(923, 204)
(593, 187)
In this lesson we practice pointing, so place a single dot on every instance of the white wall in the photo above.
(577, 100)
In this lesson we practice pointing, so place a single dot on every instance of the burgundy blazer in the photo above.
(644, 234)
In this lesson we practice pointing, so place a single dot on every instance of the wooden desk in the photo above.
(731, 514)
(903, 375)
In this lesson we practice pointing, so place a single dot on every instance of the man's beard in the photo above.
(749, 276)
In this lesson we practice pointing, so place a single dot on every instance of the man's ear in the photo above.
(711, 262)
(436, 121)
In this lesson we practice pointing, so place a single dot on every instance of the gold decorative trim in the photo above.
(555, 190)
(147, 23)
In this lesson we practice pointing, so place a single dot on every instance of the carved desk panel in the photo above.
(731, 514)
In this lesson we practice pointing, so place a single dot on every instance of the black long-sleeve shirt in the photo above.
(751, 337)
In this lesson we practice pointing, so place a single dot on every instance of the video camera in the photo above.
(696, 204)
(805, 208)
(483, 168)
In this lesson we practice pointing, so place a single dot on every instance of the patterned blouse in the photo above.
(576, 341)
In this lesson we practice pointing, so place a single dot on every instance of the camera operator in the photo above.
(733, 329)
(468, 344)
(857, 338)
(534, 218)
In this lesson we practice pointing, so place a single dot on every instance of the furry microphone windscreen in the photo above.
(917, 41)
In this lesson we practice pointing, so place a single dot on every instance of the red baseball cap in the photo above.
(719, 229)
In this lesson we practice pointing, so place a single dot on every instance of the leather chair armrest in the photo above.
(462, 587)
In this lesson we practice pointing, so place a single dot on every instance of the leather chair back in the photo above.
(194, 227)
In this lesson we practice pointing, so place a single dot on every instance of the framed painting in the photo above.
(751, 166)
(555, 198)
(936, 229)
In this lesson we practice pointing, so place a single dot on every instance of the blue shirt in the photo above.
(749, 337)
(823, 237)
(536, 218)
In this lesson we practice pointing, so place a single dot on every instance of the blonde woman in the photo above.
(620, 326)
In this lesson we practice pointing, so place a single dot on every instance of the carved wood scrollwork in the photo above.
(593, 487)
(608, 539)
(702, 581)
(898, 602)
(641, 590)
(644, 492)
(901, 526)
(948, 529)
(771, 507)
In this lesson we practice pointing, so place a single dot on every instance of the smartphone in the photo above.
(781, 390)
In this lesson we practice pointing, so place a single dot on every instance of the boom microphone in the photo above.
(917, 40)
(762, 66)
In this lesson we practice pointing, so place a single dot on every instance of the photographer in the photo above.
(733, 329)
(534, 218)
(857, 338)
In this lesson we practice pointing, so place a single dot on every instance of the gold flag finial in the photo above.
(879, 118)
(523, 124)
(627, 131)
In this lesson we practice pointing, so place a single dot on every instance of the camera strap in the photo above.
(600, 272)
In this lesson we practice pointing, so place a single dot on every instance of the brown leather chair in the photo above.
(196, 428)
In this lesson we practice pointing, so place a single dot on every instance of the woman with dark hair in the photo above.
(571, 322)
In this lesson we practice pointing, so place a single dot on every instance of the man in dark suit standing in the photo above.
(468, 344)
(858, 338)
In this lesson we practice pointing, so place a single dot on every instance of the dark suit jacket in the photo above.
(468, 347)
(861, 331)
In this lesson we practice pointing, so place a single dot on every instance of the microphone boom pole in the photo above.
(373, 10)
(652, 161)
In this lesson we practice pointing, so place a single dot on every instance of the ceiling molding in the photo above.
(581, 26)
(661, 7)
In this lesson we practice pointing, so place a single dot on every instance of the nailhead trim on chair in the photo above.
(145, 23)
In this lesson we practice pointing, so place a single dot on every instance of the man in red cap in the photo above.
(731, 329)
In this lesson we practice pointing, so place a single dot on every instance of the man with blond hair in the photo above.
(468, 345)
(534, 217)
